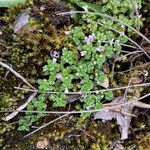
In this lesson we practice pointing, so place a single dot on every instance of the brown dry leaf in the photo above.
(72, 98)
(122, 120)
(25, 24)
(43, 143)
(21, 20)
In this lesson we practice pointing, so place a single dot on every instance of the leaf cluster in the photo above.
(81, 68)
(37, 104)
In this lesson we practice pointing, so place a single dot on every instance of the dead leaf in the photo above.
(122, 120)
(72, 98)
(21, 20)
(105, 115)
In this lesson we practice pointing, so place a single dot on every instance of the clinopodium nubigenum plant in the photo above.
(80, 68)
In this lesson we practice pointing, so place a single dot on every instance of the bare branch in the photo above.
(46, 125)
(107, 106)
(98, 91)
(107, 16)
(141, 105)
(13, 114)
(17, 74)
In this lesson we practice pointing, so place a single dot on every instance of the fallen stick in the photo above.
(91, 92)
(17, 74)
(46, 125)
(13, 114)
(107, 106)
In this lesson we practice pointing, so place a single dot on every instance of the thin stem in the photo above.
(13, 114)
(148, 63)
(107, 107)
(126, 45)
(127, 38)
(17, 74)
(117, 59)
(91, 92)
(107, 16)
(46, 125)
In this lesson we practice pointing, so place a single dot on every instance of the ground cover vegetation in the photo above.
(70, 54)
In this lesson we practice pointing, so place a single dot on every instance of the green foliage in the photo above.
(108, 95)
(59, 100)
(9, 3)
(26, 121)
(116, 8)
(80, 68)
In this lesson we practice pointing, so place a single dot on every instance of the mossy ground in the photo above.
(27, 56)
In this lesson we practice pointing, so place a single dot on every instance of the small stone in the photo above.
(42, 144)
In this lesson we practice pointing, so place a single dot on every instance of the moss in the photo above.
(27, 56)
(27, 52)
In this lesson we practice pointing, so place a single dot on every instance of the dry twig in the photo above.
(107, 106)
(45, 125)
(13, 114)
(17, 74)
(91, 92)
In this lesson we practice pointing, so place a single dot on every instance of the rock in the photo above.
(42, 144)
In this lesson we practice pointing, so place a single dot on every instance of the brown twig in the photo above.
(107, 16)
(13, 114)
(17, 74)
(85, 111)
(91, 92)
(43, 126)
(126, 90)
(141, 105)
